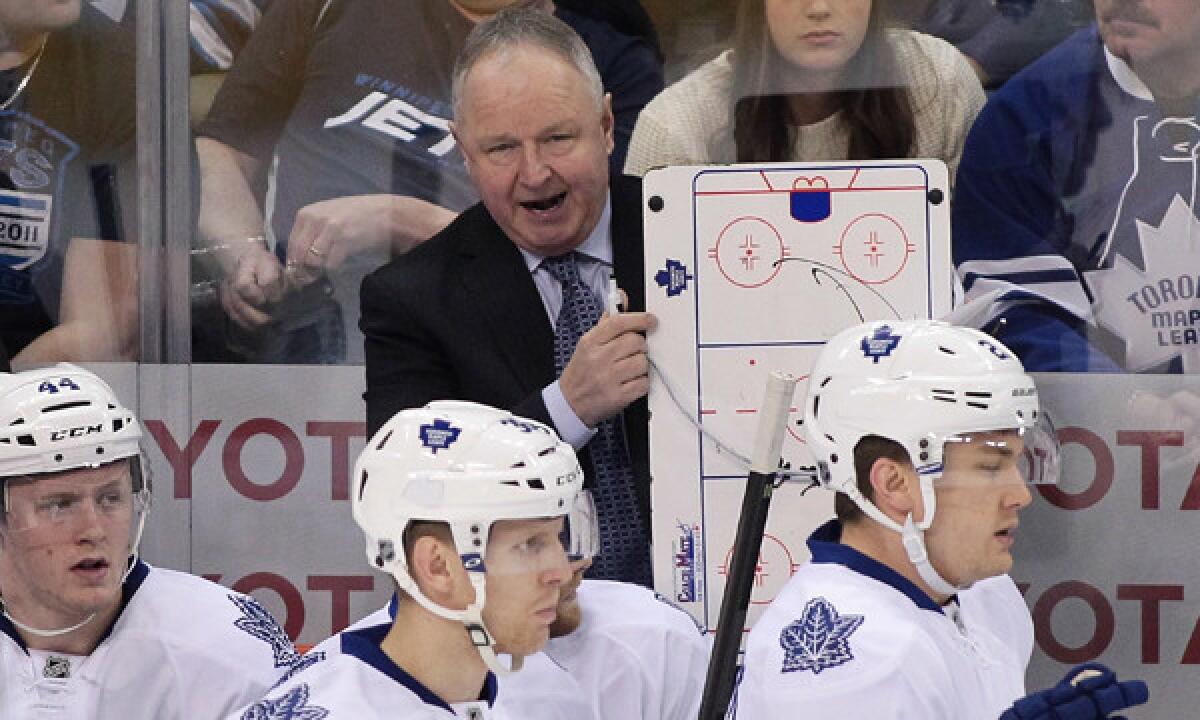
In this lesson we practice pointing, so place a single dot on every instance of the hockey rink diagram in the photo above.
(750, 270)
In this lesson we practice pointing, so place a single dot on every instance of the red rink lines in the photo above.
(743, 411)
(708, 193)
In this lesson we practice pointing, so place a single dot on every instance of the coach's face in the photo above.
(64, 544)
(536, 143)
(1150, 31)
(23, 17)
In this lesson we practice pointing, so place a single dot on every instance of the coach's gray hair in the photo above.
(525, 25)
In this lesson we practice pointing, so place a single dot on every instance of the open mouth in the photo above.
(546, 204)
(91, 566)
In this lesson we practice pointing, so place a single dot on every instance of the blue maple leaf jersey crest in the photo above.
(292, 705)
(880, 344)
(261, 624)
(439, 435)
(303, 662)
(819, 640)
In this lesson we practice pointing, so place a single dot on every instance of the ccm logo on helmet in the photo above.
(1024, 392)
(75, 432)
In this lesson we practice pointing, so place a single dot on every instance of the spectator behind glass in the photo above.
(219, 29)
(1074, 223)
(358, 124)
(813, 80)
(626, 16)
(68, 280)
(999, 37)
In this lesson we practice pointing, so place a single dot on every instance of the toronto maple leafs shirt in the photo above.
(360, 682)
(181, 648)
(850, 638)
(1074, 218)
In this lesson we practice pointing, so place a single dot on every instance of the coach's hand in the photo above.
(1088, 692)
(609, 368)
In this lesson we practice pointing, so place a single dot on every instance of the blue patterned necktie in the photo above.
(624, 546)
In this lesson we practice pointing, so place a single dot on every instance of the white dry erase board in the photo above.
(751, 269)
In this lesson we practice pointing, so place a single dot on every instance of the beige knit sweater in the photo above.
(690, 122)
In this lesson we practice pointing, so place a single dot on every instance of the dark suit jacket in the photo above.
(460, 318)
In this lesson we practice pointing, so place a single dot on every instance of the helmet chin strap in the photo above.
(913, 539)
(130, 565)
(912, 535)
(481, 638)
(43, 633)
(472, 620)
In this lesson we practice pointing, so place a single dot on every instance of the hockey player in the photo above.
(87, 630)
(931, 435)
(466, 507)
(617, 651)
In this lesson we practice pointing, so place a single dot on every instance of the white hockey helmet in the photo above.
(466, 465)
(63, 418)
(60, 418)
(921, 384)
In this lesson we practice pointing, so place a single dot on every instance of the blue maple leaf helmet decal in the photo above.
(819, 640)
(292, 705)
(880, 343)
(439, 435)
(261, 624)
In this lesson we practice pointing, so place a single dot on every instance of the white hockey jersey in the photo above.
(854, 639)
(181, 648)
(554, 694)
(356, 680)
(635, 656)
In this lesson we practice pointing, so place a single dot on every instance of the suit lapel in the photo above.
(502, 292)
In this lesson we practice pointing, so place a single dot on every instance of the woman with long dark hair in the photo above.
(813, 80)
